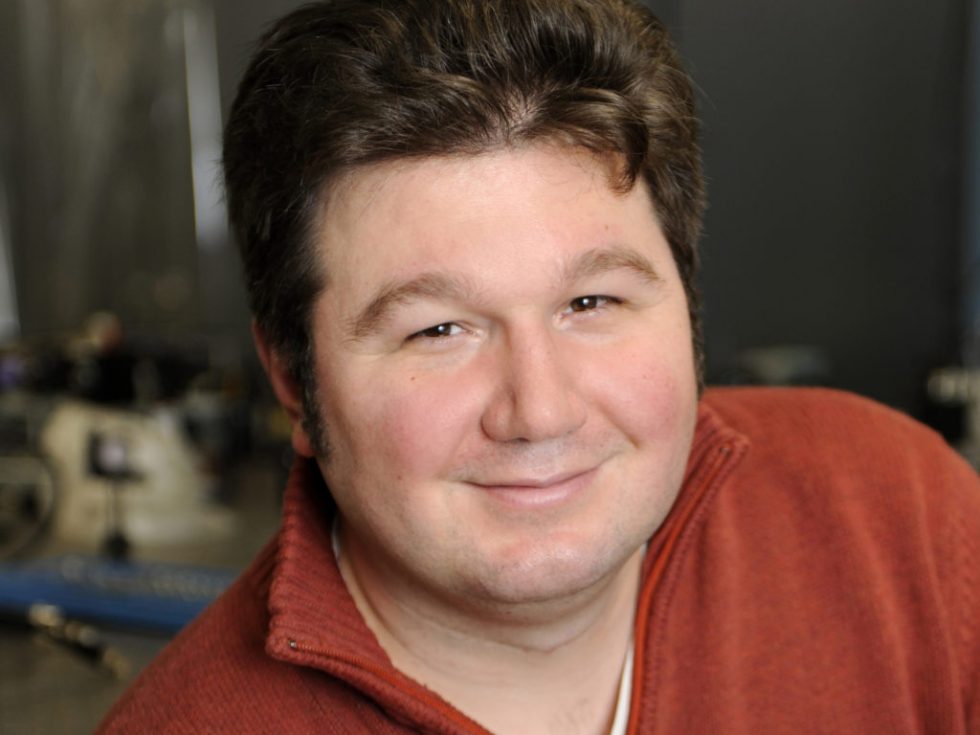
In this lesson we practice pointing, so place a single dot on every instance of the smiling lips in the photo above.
(538, 492)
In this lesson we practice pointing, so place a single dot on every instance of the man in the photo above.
(469, 230)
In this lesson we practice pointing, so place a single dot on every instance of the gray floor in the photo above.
(45, 689)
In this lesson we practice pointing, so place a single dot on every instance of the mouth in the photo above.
(537, 492)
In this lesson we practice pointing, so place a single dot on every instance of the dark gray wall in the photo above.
(832, 143)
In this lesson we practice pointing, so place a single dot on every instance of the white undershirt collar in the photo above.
(622, 717)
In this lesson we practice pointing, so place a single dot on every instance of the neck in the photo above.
(537, 668)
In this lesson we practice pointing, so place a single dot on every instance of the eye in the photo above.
(439, 331)
(591, 303)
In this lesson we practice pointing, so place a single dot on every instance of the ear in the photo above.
(286, 388)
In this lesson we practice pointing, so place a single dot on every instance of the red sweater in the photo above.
(819, 573)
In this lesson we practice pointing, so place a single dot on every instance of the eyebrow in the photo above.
(597, 261)
(427, 285)
(436, 285)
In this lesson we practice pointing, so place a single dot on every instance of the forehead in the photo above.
(421, 212)
(396, 188)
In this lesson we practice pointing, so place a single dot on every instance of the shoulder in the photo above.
(831, 465)
(820, 424)
(753, 408)
(823, 459)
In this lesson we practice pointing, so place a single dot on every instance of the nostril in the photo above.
(537, 397)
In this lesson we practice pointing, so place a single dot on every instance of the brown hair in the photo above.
(339, 84)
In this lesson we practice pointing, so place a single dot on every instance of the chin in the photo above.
(551, 573)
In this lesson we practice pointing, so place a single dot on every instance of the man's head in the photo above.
(469, 231)
(340, 85)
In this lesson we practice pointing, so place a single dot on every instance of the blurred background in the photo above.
(141, 454)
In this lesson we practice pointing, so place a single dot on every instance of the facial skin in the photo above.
(505, 374)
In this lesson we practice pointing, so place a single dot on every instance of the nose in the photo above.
(536, 397)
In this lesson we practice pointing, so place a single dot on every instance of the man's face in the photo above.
(505, 373)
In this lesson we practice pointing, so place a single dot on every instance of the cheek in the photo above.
(651, 386)
(651, 405)
(402, 427)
